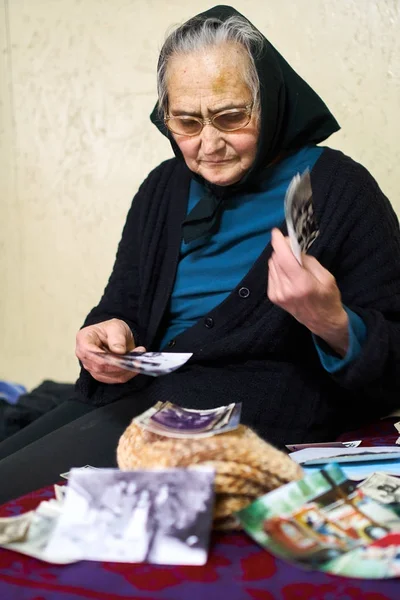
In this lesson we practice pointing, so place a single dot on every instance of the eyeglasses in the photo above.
(226, 120)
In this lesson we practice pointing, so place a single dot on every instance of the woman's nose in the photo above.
(211, 140)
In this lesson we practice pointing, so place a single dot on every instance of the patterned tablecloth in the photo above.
(237, 569)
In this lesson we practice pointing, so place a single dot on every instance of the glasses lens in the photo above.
(232, 120)
(184, 125)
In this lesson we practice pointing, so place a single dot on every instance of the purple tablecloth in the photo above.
(237, 569)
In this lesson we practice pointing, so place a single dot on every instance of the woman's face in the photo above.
(204, 83)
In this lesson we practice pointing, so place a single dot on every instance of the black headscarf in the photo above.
(292, 115)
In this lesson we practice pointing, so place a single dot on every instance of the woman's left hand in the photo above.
(308, 292)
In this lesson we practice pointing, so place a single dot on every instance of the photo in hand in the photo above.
(153, 364)
(299, 213)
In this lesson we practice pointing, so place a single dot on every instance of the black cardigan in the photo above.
(247, 349)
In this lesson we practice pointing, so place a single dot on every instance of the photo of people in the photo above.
(153, 364)
(156, 516)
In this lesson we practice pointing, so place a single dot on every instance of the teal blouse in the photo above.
(210, 268)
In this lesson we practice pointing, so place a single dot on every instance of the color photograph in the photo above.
(325, 522)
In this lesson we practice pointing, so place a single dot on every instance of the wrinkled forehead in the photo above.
(213, 73)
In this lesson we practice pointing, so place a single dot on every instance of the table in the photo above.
(237, 569)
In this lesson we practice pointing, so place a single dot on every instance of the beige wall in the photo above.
(77, 81)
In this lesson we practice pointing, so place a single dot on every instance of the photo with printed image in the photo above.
(175, 417)
(325, 522)
(384, 488)
(171, 420)
(153, 364)
(158, 516)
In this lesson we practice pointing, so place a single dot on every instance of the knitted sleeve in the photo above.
(362, 241)
(119, 299)
(121, 295)
(330, 360)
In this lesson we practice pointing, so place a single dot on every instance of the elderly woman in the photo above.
(203, 266)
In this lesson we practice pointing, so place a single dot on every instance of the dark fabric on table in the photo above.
(50, 421)
(31, 406)
(90, 439)
(376, 433)
(237, 569)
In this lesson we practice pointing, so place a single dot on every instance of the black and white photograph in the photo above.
(299, 214)
(153, 364)
(156, 516)
(382, 487)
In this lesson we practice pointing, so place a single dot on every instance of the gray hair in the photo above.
(199, 34)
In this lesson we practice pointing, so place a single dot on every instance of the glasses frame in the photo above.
(248, 109)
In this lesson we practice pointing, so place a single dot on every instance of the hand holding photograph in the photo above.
(299, 214)
(153, 364)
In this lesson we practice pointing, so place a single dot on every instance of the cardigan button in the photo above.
(244, 292)
(209, 322)
(171, 343)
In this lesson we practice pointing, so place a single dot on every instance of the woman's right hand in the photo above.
(109, 336)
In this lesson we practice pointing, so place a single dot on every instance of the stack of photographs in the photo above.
(171, 420)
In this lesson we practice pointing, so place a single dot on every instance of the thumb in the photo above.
(119, 338)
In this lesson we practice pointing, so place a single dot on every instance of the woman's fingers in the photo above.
(308, 292)
(113, 335)
(140, 349)
(322, 275)
(94, 341)
(119, 336)
(284, 259)
(274, 290)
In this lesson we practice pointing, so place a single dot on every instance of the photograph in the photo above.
(148, 363)
(155, 516)
(383, 488)
(323, 522)
(171, 420)
(175, 417)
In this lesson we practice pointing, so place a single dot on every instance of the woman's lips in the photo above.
(215, 162)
